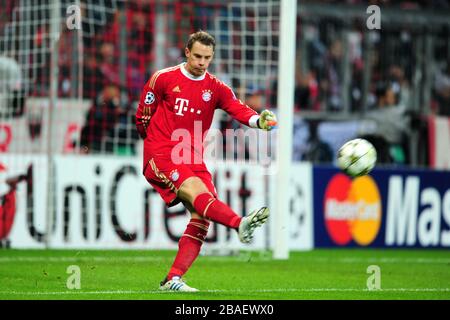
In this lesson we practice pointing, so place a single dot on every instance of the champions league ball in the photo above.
(357, 157)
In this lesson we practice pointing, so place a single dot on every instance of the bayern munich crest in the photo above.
(174, 175)
(206, 95)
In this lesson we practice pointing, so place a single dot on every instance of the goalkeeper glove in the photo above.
(267, 120)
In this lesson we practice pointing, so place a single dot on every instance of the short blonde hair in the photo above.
(203, 37)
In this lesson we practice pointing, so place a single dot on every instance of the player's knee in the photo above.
(191, 188)
(197, 216)
(193, 212)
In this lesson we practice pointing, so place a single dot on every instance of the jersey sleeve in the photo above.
(236, 108)
(150, 97)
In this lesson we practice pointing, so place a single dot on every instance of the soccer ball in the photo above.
(357, 157)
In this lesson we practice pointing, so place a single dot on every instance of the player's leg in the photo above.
(188, 247)
(8, 210)
(166, 178)
(179, 182)
(190, 243)
(195, 192)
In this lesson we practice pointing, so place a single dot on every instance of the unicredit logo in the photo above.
(352, 209)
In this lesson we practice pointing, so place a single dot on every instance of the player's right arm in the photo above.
(243, 113)
(150, 97)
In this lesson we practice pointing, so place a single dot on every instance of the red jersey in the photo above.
(181, 106)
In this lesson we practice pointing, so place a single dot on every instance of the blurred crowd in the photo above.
(117, 66)
(377, 76)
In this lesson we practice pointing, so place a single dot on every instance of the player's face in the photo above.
(198, 58)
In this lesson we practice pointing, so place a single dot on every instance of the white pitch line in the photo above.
(396, 260)
(243, 258)
(300, 290)
(85, 259)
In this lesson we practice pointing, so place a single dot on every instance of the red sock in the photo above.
(189, 247)
(210, 207)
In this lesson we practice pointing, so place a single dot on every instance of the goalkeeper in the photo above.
(175, 100)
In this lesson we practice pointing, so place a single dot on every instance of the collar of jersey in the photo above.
(190, 76)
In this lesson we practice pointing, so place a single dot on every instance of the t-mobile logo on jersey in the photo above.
(183, 105)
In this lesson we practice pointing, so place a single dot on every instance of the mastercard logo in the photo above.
(352, 209)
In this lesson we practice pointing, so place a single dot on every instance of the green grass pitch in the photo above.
(318, 274)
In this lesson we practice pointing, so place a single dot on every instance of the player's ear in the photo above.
(187, 52)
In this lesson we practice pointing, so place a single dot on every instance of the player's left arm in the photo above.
(266, 120)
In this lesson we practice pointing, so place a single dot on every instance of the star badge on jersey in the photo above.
(206, 95)
(149, 98)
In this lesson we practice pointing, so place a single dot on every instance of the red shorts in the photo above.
(167, 177)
